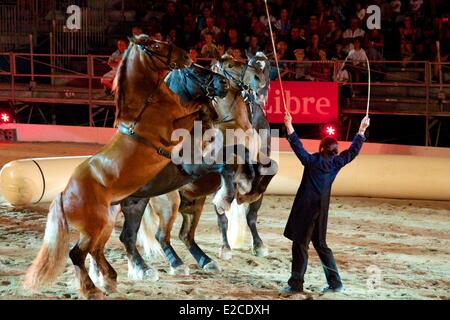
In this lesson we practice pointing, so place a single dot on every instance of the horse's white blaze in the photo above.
(146, 235)
(237, 225)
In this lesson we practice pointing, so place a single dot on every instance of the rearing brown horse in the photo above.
(136, 154)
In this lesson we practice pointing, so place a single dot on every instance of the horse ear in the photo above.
(131, 39)
(249, 55)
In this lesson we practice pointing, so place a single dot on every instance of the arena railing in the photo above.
(398, 87)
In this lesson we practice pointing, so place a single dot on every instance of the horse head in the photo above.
(262, 63)
(160, 55)
(196, 82)
(243, 77)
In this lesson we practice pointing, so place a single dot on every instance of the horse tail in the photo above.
(146, 234)
(237, 224)
(51, 259)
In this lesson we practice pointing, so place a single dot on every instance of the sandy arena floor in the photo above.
(403, 245)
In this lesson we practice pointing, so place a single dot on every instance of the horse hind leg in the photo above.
(109, 275)
(225, 251)
(78, 256)
(191, 212)
(166, 207)
(259, 249)
(133, 211)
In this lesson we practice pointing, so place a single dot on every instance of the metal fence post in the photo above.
(90, 68)
(427, 101)
(12, 70)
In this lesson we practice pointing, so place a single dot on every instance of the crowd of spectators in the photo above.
(305, 31)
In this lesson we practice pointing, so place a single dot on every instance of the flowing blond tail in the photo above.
(237, 225)
(146, 234)
(52, 256)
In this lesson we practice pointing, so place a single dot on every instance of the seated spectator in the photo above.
(360, 11)
(301, 66)
(332, 35)
(283, 25)
(313, 27)
(172, 37)
(312, 52)
(257, 27)
(171, 19)
(211, 29)
(226, 16)
(265, 21)
(157, 36)
(221, 49)
(374, 43)
(354, 31)
(253, 46)
(113, 61)
(201, 22)
(193, 54)
(209, 49)
(407, 39)
(296, 40)
(321, 71)
(339, 53)
(233, 39)
(396, 6)
(358, 59)
(282, 64)
(236, 53)
(189, 35)
(135, 31)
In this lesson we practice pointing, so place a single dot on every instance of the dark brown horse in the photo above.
(147, 114)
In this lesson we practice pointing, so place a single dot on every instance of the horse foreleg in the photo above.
(133, 210)
(225, 250)
(166, 207)
(191, 212)
(225, 195)
(252, 215)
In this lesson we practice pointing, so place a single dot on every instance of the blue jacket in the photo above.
(313, 195)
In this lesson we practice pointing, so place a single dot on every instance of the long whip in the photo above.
(276, 57)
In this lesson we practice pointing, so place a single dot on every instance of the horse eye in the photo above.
(230, 65)
(256, 78)
(156, 46)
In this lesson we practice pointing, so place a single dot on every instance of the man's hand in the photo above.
(365, 122)
(288, 122)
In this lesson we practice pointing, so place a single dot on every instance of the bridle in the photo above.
(130, 131)
(158, 56)
(246, 91)
(207, 85)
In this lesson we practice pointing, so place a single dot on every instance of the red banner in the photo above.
(308, 102)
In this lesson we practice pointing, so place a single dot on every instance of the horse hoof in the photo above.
(180, 270)
(211, 267)
(138, 274)
(261, 251)
(95, 294)
(151, 275)
(110, 287)
(225, 254)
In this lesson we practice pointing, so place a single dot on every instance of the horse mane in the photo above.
(118, 84)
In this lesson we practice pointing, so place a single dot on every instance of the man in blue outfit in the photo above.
(309, 214)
